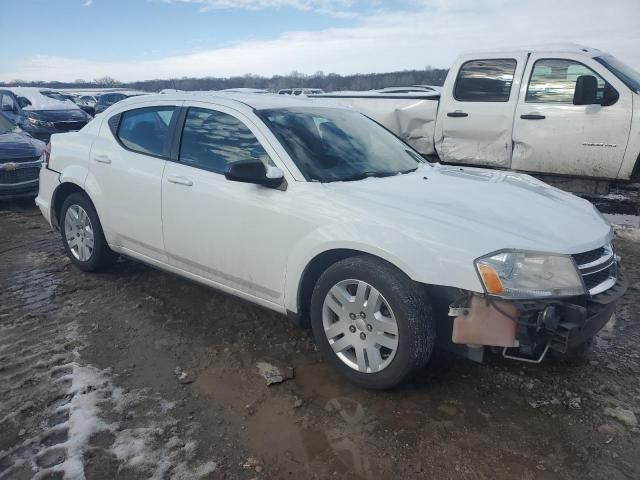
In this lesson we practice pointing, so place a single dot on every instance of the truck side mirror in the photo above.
(609, 96)
(586, 90)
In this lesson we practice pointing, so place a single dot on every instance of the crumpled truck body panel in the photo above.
(412, 118)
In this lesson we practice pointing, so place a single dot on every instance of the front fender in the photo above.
(418, 260)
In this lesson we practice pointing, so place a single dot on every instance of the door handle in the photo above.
(102, 158)
(532, 116)
(179, 180)
(457, 114)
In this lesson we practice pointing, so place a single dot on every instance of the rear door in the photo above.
(127, 162)
(552, 135)
(477, 105)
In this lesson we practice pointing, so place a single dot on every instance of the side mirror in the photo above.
(254, 171)
(586, 90)
(609, 96)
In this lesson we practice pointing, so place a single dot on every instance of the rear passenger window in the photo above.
(146, 130)
(485, 80)
(211, 140)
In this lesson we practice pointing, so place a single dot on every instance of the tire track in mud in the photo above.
(55, 410)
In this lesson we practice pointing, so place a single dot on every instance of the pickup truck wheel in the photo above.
(372, 322)
(82, 234)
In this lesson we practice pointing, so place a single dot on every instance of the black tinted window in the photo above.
(485, 80)
(211, 140)
(146, 130)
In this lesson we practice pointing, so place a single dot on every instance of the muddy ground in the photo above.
(135, 373)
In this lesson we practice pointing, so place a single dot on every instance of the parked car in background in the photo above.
(559, 112)
(110, 98)
(300, 91)
(20, 161)
(41, 112)
(87, 103)
(323, 214)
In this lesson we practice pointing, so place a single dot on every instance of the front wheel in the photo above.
(372, 322)
(82, 234)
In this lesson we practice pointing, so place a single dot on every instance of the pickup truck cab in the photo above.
(322, 214)
(565, 111)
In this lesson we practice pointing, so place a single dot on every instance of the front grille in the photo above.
(19, 160)
(19, 175)
(69, 126)
(598, 267)
(588, 257)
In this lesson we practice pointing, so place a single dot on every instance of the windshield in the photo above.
(625, 73)
(332, 145)
(5, 125)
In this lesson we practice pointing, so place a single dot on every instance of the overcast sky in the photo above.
(145, 39)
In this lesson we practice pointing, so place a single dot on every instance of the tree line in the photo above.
(328, 82)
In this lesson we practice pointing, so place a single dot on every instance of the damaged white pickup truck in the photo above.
(562, 113)
(320, 213)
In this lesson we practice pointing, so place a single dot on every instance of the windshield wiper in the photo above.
(363, 175)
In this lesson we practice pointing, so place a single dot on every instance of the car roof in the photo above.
(567, 48)
(262, 101)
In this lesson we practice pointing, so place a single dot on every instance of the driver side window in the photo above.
(554, 81)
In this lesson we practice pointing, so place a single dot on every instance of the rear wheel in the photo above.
(372, 322)
(82, 234)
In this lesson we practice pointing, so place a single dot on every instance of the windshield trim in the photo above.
(629, 82)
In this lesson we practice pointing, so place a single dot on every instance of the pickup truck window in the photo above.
(485, 80)
(554, 81)
(145, 130)
(211, 140)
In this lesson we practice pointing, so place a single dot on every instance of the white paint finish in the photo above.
(126, 190)
(230, 232)
(580, 140)
(47, 185)
(256, 242)
(484, 136)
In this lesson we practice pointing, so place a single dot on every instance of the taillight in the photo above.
(47, 154)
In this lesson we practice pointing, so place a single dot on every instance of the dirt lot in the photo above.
(135, 373)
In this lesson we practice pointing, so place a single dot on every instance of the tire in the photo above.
(399, 299)
(76, 240)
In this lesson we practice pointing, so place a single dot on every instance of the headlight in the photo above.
(523, 275)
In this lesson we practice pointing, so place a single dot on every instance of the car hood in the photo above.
(19, 145)
(478, 209)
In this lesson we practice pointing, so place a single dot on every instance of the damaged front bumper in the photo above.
(527, 329)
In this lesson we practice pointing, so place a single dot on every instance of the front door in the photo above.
(475, 116)
(231, 233)
(552, 135)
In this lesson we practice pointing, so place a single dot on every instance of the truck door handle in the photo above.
(179, 180)
(532, 116)
(102, 158)
(457, 114)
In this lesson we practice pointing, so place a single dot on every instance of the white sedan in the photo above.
(322, 214)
